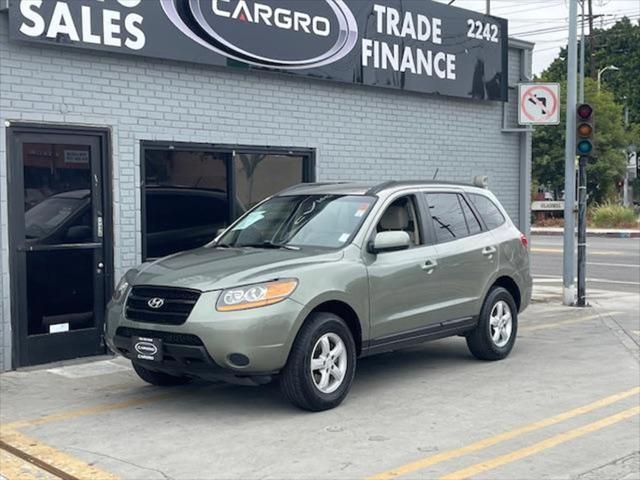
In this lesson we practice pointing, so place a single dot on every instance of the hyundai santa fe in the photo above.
(320, 275)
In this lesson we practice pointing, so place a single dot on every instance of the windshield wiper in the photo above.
(269, 244)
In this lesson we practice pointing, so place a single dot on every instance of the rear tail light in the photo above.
(524, 240)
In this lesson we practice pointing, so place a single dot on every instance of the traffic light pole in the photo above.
(570, 161)
(582, 231)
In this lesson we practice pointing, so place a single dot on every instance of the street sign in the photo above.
(539, 103)
(547, 206)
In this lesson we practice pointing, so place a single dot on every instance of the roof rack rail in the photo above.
(410, 183)
(297, 185)
(380, 187)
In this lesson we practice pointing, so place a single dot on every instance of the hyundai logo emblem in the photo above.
(156, 302)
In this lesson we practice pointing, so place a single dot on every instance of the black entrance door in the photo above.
(57, 237)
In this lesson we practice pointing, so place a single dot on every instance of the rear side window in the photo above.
(448, 218)
(472, 221)
(488, 210)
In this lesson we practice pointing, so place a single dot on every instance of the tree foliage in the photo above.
(619, 46)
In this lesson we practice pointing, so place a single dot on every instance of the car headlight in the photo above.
(121, 289)
(256, 295)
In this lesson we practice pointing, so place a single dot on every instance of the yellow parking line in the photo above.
(490, 441)
(14, 468)
(543, 445)
(82, 412)
(47, 458)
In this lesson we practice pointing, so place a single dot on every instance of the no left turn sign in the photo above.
(539, 104)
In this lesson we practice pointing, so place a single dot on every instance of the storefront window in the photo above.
(261, 175)
(187, 191)
(185, 198)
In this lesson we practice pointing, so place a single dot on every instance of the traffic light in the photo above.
(584, 137)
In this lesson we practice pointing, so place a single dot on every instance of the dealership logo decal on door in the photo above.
(288, 35)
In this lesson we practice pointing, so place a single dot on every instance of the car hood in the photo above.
(209, 269)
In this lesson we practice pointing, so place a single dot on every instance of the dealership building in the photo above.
(132, 129)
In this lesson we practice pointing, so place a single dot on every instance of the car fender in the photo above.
(361, 309)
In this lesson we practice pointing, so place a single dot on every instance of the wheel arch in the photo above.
(340, 307)
(510, 285)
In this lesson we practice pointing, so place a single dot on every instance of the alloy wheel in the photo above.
(328, 363)
(501, 323)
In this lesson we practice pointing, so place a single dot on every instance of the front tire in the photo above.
(495, 334)
(321, 365)
(159, 379)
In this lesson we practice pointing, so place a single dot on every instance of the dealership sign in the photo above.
(412, 45)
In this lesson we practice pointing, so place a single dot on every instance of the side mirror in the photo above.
(79, 233)
(389, 241)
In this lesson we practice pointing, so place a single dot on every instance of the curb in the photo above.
(590, 233)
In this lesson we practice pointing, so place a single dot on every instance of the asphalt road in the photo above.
(612, 263)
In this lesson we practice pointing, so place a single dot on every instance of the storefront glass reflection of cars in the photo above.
(57, 213)
(187, 191)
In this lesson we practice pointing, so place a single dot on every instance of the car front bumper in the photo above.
(206, 344)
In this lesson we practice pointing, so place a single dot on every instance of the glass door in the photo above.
(58, 232)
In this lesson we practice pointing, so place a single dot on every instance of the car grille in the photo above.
(177, 304)
(166, 337)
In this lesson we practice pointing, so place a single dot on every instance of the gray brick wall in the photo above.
(360, 133)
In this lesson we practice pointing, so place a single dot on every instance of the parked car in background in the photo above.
(181, 219)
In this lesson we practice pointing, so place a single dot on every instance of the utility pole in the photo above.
(582, 231)
(582, 189)
(592, 44)
(627, 192)
(581, 95)
(488, 7)
(570, 160)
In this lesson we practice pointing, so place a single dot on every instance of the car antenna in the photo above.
(436, 174)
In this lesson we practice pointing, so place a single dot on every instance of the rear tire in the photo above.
(495, 334)
(159, 379)
(325, 340)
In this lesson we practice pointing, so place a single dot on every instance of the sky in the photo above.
(545, 22)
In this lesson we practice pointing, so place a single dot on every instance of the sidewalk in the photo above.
(591, 232)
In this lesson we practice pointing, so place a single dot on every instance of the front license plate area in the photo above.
(146, 348)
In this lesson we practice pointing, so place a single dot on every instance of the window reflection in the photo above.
(261, 175)
(186, 199)
(58, 211)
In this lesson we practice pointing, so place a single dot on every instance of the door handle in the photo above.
(429, 266)
(489, 251)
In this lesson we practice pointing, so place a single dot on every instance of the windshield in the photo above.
(300, 221)
(46, 216)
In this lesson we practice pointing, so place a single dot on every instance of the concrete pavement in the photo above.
(565, 404)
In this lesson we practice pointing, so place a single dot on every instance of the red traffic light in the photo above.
(585, 110)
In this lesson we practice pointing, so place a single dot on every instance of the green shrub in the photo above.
(611, 215)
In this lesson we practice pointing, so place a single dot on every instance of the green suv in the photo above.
(313, 278)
